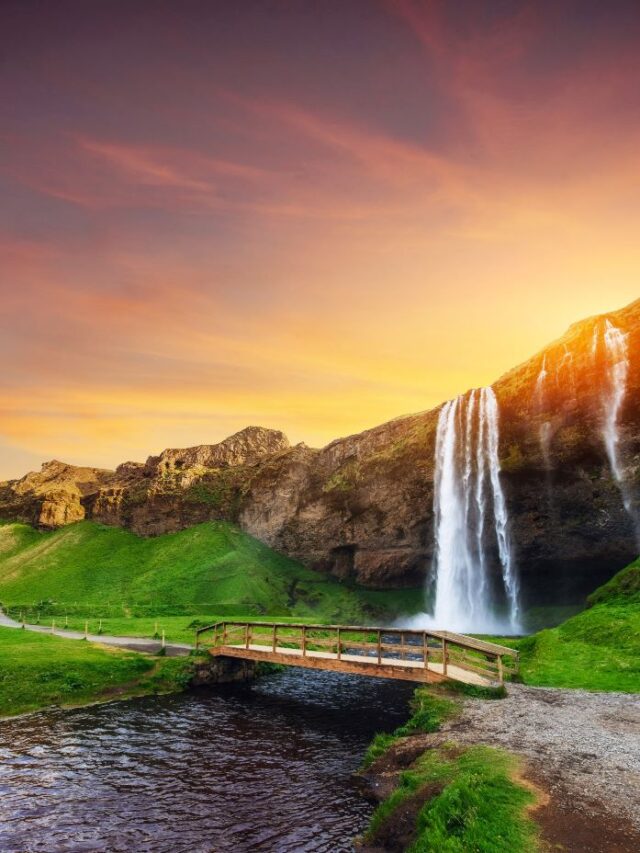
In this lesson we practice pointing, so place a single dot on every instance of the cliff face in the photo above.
(362, 507)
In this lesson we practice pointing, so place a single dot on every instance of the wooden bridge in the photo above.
(426, 656)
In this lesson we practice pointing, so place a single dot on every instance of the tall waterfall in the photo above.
(470, 512)
(616, 371)
(615, 343)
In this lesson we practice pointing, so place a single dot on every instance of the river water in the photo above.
(264, 767)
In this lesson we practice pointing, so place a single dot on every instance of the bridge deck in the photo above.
(409, 670)
(381, 652)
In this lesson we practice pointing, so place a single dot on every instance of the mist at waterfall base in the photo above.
(470, 524)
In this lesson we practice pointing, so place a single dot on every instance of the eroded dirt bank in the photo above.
(580, 751)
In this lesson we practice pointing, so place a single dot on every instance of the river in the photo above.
(263, 767)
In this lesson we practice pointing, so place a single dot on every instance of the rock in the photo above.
(59, 508)
(362, 507)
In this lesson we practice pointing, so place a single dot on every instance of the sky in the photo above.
(311, 216)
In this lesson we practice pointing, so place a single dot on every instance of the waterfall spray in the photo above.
(467, 494)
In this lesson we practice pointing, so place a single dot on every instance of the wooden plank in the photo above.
(473, 643)
(472, 661)
(469, 667)
(333, 664)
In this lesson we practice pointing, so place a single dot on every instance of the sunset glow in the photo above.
(312, 217)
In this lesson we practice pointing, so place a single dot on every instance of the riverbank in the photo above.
(40, 670)
(565, 762)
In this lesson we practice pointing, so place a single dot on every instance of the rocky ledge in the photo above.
(362, 507)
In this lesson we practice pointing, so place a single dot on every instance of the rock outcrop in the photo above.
(362, 507)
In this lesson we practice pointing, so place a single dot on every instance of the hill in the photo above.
(212, 568)
(599, 649)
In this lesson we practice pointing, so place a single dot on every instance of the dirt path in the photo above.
(582, 748)
(137, 644)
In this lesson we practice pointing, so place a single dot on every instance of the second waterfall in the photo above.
(470, 521)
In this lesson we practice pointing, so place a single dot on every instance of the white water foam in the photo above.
(469, 509)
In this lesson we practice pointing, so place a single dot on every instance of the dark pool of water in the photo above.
(265, 767)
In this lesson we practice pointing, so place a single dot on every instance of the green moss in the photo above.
(514, 460)
(344, 479)
(206, 493)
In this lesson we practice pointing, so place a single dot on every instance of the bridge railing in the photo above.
(441, 650)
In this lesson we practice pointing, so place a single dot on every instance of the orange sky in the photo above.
(314, 217)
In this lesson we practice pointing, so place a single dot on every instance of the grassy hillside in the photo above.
(599, 649)
(208, 569)
(37, 670)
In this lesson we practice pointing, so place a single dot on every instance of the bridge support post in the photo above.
(220, 670)
(445, 654)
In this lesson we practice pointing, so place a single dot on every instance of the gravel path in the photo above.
(586, 745)
(138, 644)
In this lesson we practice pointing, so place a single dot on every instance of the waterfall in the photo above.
(544, 432)
(541, 380)
(468, 495)
(615, 343)
(616, 371)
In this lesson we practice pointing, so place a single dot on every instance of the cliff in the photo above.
(362, 507)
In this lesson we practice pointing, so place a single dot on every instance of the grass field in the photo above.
(599, 649)
(177, 629)
(211, 570)
(38, 670)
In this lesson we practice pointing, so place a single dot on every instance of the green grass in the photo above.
(210, 570)
(429, 710)
(39, 670)
(623, 588)
(467, 800)
(598, 649)
(177, 629)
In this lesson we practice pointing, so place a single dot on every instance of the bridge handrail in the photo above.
(494, 650)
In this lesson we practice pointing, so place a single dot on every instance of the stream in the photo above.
(261, 767)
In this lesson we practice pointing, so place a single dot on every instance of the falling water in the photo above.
(540, 381)
(615, 343)
(613, 393)
(467, 494)
(540, 398)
